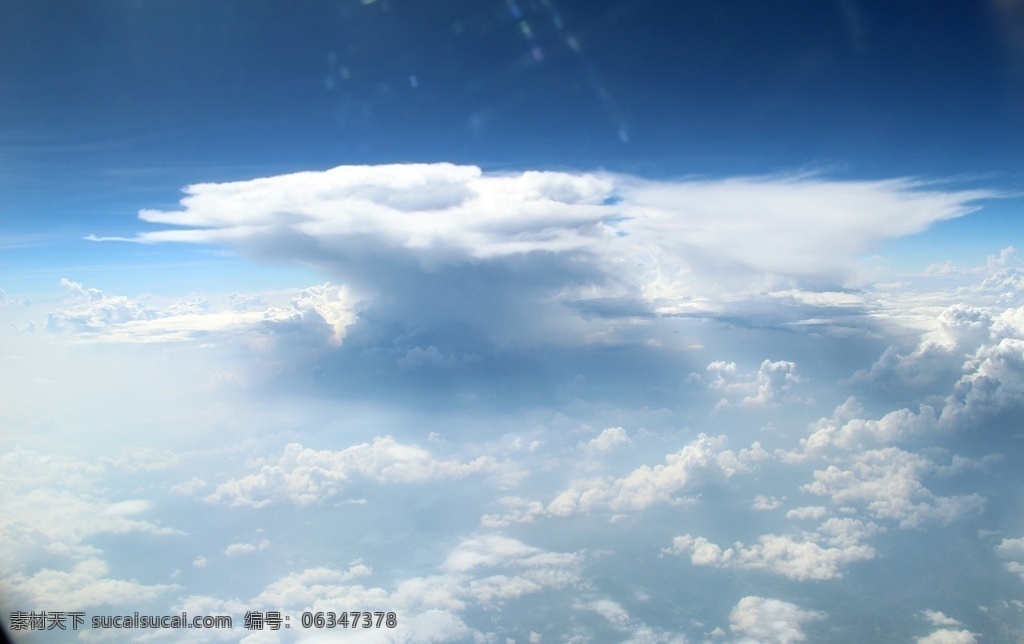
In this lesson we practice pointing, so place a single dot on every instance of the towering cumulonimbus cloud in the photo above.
(507, 254)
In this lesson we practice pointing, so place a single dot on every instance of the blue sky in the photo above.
(653, 322)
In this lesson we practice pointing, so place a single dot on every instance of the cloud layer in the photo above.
(417, 242)
(728, 438)
(446, 214)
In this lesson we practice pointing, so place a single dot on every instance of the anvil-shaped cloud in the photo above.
(435, 244)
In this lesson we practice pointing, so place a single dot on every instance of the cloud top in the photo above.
(661, 236)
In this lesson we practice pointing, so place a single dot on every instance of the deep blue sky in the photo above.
(110, 107)
(876, 87)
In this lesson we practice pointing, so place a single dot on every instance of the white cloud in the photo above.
(53, 507)
(608, 440)
(773, 383)
(948, 636)
(961, 328)
(550, 239)
(848, 432)
(8, 301)
(807, 512)
(958, 332)
(131, 506)
(585, 253)
(888, 483)
(813, 555)
(94, 310)
(1004, 277)
(85, 585)
(326, 303)
(635, 630)
(319, 313)
(143, 459)
(762, 502)
(1011, 547)
(993, 382)
(189, 487)
(771, 223)
(304, 476)
(490, 551)
(700, 462)
(1013, 551)
(481, 571)
(611, 611)
(519, 511)
(246, 548)
(759, 620)
(938, 618)
(38, 488)
(977, 352)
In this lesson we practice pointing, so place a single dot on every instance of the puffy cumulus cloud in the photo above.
(866, 468)
(434, 243)
(823, 554)
(848, 431)
(938, 618)
(993, 383)
(318, 314)
(948, 636)
(325, 305)
(701, 462)
(759, 620)
(723, 374)
(888, 483)
(987, 381)
(92, 310)
(304, 476)
(958, 331)
(1009, 323)
(974, 358)
(773, 383)
(1013, 551)
(1004, 278)
(974, 294)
